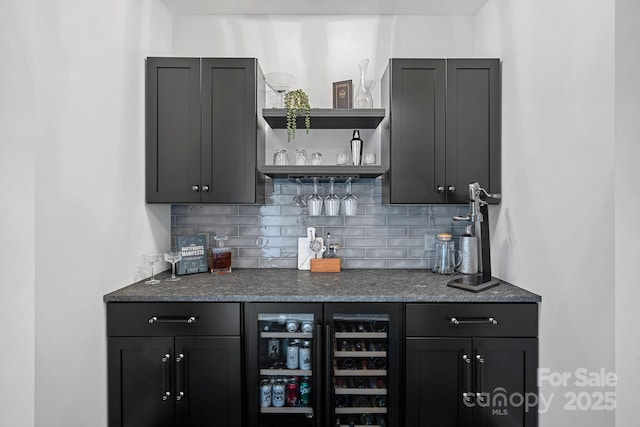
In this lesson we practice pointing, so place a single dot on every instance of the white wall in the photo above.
(627, 206)
(17, 145)
(553, 232)
(322, 49)
(72, 170)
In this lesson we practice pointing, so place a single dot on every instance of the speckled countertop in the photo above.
(280, 285)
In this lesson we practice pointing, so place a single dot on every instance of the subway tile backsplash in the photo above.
(380, 236)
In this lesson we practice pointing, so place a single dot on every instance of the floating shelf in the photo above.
(328, 118)
(339, 172)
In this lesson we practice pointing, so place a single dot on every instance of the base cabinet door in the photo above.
(505, 377)
(208, 382)
(140, 382)
(438, 373)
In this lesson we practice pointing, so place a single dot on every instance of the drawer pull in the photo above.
(473, 321)
(156, 319)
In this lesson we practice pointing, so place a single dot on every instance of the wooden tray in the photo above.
(325, 265)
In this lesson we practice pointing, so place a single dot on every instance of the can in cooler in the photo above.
(278, 393)
(305, 392)
(265, 393)
(292, 392)
(292, 355)
(304, 355)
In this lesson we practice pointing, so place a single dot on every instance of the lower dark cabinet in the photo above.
(177, 381)
(454, 382)
(471, 365)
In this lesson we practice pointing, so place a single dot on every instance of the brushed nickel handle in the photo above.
(440, 189)
(180, 395)
(470, 321)
(159, 319)
(469, 394)
(205, 188)
(195, 188)
(452, 188)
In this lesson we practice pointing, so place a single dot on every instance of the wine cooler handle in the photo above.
(180, 377)
(467, 394)
(479, 376)
(166, 376)
(328, 365)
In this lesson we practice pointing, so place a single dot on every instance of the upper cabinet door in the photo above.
(173, 130)
(229, 129)
(416, 90)
(473, 127)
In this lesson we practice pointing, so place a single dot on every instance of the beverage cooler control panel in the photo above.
(360, 361)
(286, 345)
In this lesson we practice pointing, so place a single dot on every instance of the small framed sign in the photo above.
(343, 94)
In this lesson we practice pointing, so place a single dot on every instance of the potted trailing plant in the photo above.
(296, 102)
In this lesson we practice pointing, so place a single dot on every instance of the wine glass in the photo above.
(314, 202)
(349, 201)
(279, 83)
(298, 200)
(332, 202)
(173, 257)
(151, 260)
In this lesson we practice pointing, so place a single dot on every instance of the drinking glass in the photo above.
(281, 158)
(342, 159)
(173, 257)
(349, 201)
(316, 159)
(315, 201)
(332, 202)
(151, 260)
(369, 159)
(300, 157)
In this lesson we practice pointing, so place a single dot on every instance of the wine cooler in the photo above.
(323, 365)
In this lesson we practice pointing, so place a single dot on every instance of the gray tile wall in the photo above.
(380, 236)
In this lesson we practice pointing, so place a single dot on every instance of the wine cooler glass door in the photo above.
(360, 369)
(286, 346)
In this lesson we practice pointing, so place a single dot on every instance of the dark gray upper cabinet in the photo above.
(442, 130)
(203, 137)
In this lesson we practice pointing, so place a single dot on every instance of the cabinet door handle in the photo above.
(479, 378)
(166, 376)
(160, 319)
(468, 394)
(180, 376)
(473, 321)
(205, 188)
(440, 189)
(195, 188)
(452, 188)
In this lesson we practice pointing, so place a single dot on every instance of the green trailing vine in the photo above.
(296, 102)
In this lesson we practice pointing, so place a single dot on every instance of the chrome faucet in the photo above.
(475, 201)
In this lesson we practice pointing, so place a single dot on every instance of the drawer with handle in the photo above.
(167, 319)
(472, 319)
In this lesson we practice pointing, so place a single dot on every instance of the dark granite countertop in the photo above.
(280, 285)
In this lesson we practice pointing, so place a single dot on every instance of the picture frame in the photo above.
(343, 94)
